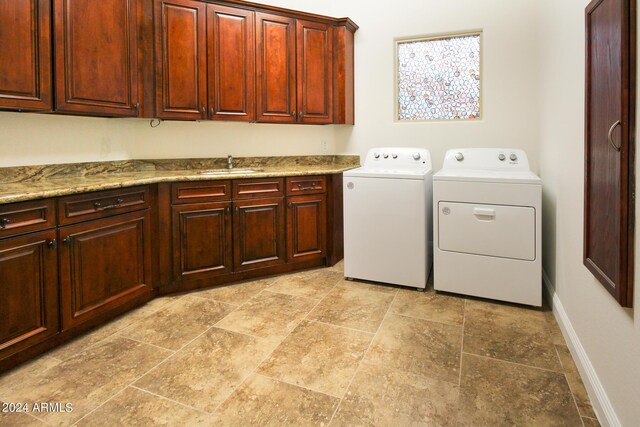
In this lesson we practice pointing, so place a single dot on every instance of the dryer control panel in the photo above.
(498, 159)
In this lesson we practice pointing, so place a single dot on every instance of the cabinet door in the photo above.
(202, 240)
(103, 264)
(25, 54)
(181, 59)
(231, 57)
(276, 68)
(259, 233)
(29, 289)
(609, 146)
(96, 45)
(306, 227)
(315, 72)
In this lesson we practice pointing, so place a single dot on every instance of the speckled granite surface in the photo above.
(35, 182)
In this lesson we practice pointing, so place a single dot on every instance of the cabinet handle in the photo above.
(212, 111)
(290, 205)
(294, 114)
(136, 106)
(610, 135)
(203, 110)
(228, 211)
(237, 209)
(67, 240)
(4, 222)
(114, 205)
(52, 243)
(300, 115)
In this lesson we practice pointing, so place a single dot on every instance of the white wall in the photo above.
(509, 74)
(609, 334)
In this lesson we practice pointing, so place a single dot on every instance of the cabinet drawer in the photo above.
(24, 217)
(195, 192)
(101, 204)
(306, 185)
(258, 188)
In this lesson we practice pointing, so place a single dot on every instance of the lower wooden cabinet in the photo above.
(306, 227)
(202, 240)
(28, 291)
(259, 233)
(103, 264)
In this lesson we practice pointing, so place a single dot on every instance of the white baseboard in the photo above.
(599, 399)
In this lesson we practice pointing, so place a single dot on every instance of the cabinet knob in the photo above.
(300, 114)
(203, 110)
(4, 222)
(294, 114)
(228, 211)
(290, 205)
(52, 243)
(136, 106)
(97, 205)
(212, 111)
(67, 240)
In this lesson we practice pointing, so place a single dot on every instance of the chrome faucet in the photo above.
(229, 161)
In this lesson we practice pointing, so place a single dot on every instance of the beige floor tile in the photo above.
(353, 307)
(317, 356)
(554, 329)
(268, 315)
(19, 419)
(575, 382)
(339, 266)
(497, 393)
(590, 422)
(206, 371)
(379, 396)
(509, 333)
(262, 401)
(429, 305)
(87, 379)
(418, 346)
(311, 284)
(133, 407)
(32, 368)
(179, 323)
(236, 293)
(370, 286)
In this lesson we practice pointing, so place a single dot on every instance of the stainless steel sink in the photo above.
(228, 171)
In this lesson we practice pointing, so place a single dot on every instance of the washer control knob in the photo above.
(376, 155)
(459, 157)
(501, 157)
(385, 155)
(513, 157)
(416, 156)
(394, 155)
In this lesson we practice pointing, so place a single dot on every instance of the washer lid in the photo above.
(367, 172)
(475, 175)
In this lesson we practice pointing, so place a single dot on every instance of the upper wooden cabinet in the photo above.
(276, 68)
(181, 59)
(25, 54)
(231, 61)
(96, 57)
(315, 71)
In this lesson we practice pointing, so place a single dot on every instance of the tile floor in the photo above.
(310, 349)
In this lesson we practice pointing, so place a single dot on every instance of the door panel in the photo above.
(181, 59)
(276, 72)
(259, 233)
(25, 54)
(96, 57)
(315, 72)
(609, 146)
(202, 240)
(231, 47)
(103, 264)
(29, 289)
(306, 227)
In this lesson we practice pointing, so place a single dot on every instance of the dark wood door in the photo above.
(276, 68)
(96, 51)
(231, 47)
(259, 233)
(103, 264)
(181, 59)
(315, 72)
(609, 145)
(202, 240)
(25, 54)
(306, 227)
(29, 290)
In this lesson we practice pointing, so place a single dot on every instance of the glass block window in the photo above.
(438, 78)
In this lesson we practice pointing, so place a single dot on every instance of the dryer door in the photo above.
(491, 230)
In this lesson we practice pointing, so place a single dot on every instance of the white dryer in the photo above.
(387, 217)
(487, 226)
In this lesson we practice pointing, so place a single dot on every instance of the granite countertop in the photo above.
(37, 182)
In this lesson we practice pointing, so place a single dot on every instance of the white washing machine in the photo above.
(487, 226)
(387, 217)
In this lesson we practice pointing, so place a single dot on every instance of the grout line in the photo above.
(366, 352)
(100, 405)
(464, 318)
(146, 343)
(361, 331)
(514, 363)
(429, 320)
(169, 400)
(296, 385)
(573, 396)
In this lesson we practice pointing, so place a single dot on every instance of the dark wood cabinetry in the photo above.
(29, 291)
(306, 227)
(25, 54)
(181, 59)
(231, 61)
(315, 72)
(103, 264)
(96, 57)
